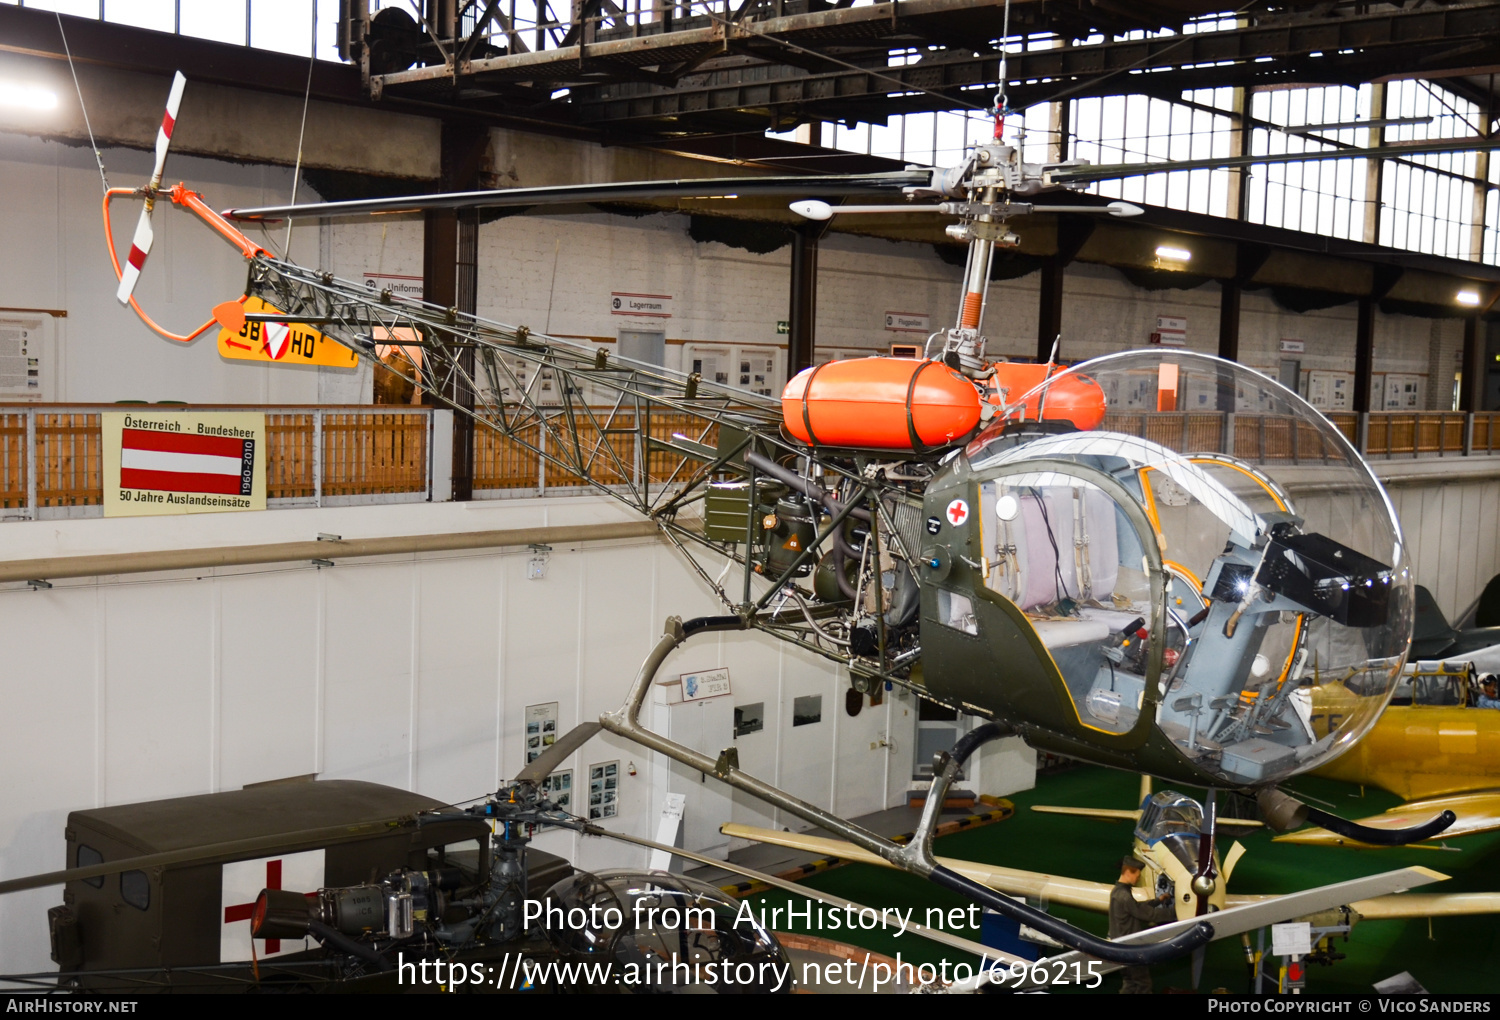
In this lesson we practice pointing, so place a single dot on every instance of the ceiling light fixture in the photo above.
(27, 97)
(1468, 298)
(1174, 254)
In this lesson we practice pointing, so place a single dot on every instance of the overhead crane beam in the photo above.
(1355, 48)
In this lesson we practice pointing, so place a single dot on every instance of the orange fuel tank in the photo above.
(880, 403)
(1071, 397)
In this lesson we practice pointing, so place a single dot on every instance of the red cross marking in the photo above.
(242, 911)
(958, 511)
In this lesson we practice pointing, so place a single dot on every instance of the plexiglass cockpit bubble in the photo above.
(662, 932)
(1178, 820)
(1214, 554)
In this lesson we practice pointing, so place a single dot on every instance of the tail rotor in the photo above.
(140, 244)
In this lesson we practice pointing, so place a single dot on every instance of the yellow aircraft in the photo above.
(1429, 746)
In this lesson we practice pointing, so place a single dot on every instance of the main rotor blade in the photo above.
(547, 762)
(1109, 171)
(813, 209)
(621, 191)
(278, 842)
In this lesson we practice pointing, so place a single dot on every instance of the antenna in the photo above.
(1041, 403)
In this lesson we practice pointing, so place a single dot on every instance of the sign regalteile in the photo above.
(183, 462)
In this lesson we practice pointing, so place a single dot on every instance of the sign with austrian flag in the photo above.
(279, 343)
(183, 462)
(242, 883)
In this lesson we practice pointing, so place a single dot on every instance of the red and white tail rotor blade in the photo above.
(168, 121)
(140, 244)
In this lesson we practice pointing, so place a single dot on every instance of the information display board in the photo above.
(183, 462)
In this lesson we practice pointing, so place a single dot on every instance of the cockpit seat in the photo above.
(1061, 543)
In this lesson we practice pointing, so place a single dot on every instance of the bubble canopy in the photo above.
(1214, 563)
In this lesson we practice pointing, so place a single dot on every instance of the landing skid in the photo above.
(916, 856)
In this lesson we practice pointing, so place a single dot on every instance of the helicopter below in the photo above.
(1052, 549)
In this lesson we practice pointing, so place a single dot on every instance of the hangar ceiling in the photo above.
(684, 70)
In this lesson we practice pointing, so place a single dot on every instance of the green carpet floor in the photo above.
(1453, 955)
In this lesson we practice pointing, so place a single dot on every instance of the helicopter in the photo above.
(1049, 548)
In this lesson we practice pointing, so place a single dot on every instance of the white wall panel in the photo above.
(1452, 530)
(159, 693)
(806, 765)
(367, 660)
(458, 656)
(52, 693)
(268, 672)
(756, 671)
(1466, 574)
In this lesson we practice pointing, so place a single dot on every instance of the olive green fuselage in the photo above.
(1004, 671)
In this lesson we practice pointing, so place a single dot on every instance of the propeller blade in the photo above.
(1206, 875)
(1198, 955)
(547, 762)
(140, 247)
(140, 244)
(833, 185)
(168, 122)
(1235, 853)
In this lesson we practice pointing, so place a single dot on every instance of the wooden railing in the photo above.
(607, 446)
(1261, 438)
(52, 457)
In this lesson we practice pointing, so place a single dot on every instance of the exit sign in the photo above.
(783, 327)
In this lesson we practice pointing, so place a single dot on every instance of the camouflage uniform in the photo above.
(1127, 915)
